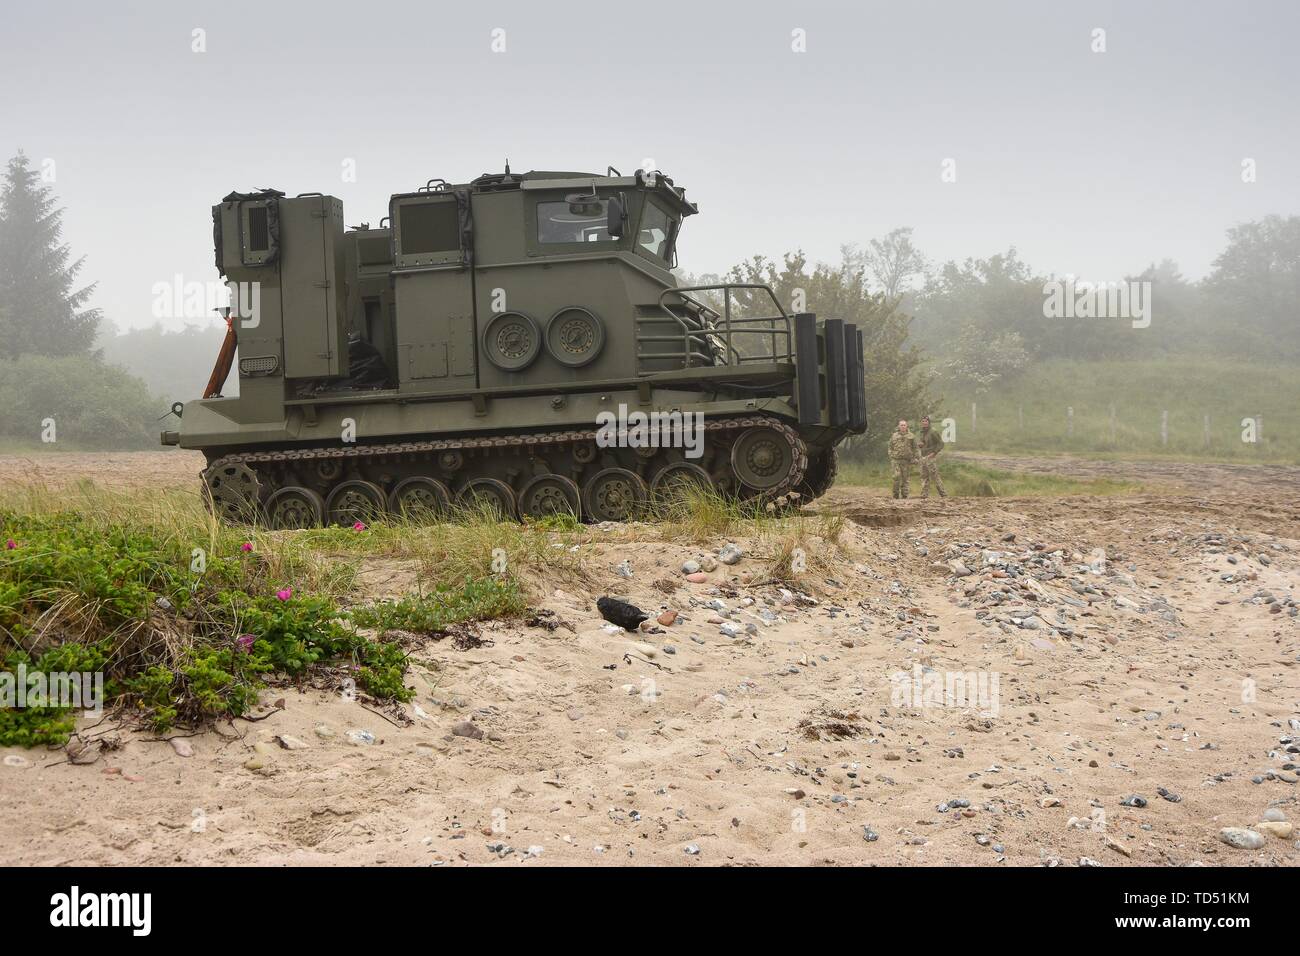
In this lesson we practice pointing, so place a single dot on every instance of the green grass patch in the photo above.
(1029, 413)
(481, 600)
(965, 479)
(187, 619)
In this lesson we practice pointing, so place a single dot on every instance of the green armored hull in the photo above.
(518, 341)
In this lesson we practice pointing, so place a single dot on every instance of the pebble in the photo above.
(690, 567)
(730, 554)
(1133, 801)
(1241, 838)
(465, 728)
(1280, 829)
(870, 835)
(667, 618)
(324, 731)
(1121, 848)
(291, 743)
(698, 577)
(1274, 815)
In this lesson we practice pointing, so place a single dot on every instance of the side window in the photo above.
(655, 235)
(427, 231)
(430, 227)
(573, 221)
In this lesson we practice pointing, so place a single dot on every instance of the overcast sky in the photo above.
(1091, 163)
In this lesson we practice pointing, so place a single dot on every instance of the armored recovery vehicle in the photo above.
(468, 350)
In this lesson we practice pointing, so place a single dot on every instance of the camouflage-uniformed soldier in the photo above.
(902, 455)
(930, 444)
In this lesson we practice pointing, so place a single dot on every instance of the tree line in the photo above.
(974, 324)
(54, 383)
(967, 325)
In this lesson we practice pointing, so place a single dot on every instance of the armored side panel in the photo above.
(837, 375)
(808, 386)
(434, 293)
(312, 270)
(248, 249)
(554, 312)
(857, 377)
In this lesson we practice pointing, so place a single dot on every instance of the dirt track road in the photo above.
(1134, 646)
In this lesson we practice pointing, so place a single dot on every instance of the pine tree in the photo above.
(41, 310)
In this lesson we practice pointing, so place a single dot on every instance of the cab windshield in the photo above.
(657, 232)
(564, 221)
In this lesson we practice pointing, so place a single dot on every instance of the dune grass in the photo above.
(1118, 409)
(965, 479)
(187, 618)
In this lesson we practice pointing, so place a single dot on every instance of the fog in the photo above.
(1094, 163)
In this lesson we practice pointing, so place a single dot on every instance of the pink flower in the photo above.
(246, 546)
(359, 526)
(284, 594)
(11, 544)
(245, 642)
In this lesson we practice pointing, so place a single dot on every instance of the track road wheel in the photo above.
(487, 494)
(676, 484)
(548, 495)
(419, 499)
(614, 494)
(232, 492)
(292, 507)
(762, 458)
(353, 501)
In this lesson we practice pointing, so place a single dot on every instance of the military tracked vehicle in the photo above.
(476, 347)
